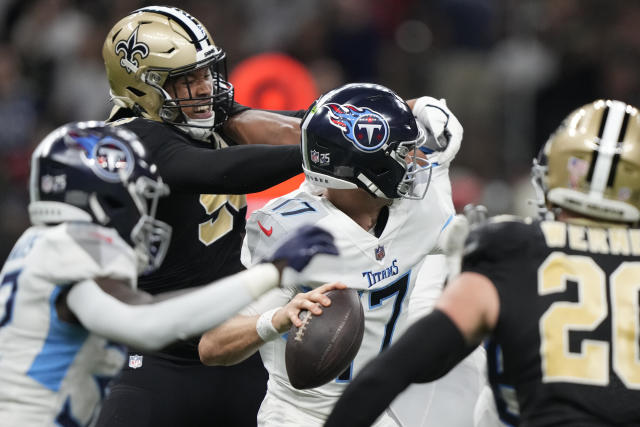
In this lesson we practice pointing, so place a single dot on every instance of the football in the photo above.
(324, 346)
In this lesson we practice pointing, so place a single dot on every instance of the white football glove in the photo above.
(444, 131)
(453, 237)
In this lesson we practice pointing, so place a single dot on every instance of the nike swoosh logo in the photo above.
(264, 230)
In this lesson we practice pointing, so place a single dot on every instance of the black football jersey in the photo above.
(504, 393)
(569, 324)
(207, 205)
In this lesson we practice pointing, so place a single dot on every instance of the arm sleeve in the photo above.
(237, 108)
(291, 113)
(153, 326)
(413, 358)
(232, 170)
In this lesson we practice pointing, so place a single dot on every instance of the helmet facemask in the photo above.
(417, 177)
(200, 90)
(149, 236)
(538, 173)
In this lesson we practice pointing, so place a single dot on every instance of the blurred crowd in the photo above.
(510, 70)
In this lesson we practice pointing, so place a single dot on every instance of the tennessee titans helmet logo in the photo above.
(365, 128)
(130, 48)
(107, 156)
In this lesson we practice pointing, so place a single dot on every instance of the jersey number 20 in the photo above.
(591, 364)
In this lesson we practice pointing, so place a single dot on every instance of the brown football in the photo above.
(324, 346)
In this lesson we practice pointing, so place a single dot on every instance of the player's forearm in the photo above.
(153, 326)
(232, 170)
(230, 343)
(263, 127)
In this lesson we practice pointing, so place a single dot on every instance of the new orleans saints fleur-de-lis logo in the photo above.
(130, 48)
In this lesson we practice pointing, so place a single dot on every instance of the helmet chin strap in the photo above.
(201, 129)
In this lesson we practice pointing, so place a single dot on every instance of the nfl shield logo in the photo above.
(315, 156)
(379, 252)
(135, 361)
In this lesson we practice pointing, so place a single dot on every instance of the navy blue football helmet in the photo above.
(93, 172)
(364, 135)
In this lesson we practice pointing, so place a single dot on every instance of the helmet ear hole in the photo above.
(135, 91)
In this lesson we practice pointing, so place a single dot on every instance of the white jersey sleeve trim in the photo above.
(153, 326)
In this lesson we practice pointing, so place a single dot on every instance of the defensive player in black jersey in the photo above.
(168, 84)
(560, 295)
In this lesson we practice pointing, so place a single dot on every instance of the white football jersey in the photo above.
(453, 400)
(382, 268)
(53, 372)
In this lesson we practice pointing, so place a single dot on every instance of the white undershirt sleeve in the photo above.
(153, 326)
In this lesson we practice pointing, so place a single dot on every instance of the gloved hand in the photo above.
(453, 237)
(443, 130)
(293, 256)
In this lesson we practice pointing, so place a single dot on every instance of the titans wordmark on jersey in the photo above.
(568, 325)
(383, 269)
(53, 372)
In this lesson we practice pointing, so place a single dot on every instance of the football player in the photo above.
(69, 286)
(361, 150)
(559, 294)
(168, 84)
(452, 400)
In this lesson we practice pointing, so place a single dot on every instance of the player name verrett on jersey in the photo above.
(611, 241)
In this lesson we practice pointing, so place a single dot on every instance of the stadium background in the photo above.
(510, 70)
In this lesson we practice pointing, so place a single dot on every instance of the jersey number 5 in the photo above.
(591, 364)
(221, 222)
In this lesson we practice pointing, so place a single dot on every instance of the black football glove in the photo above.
(297, 252)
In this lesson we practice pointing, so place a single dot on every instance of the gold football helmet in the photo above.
(591, 164)
(154, 48)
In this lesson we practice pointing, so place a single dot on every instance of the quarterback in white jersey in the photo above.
(360, 145)
(68, 288)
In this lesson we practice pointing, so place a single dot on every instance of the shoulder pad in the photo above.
(500, 236)
(75, 251)
(269, 225)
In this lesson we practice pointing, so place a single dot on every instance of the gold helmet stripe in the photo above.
(611, 135)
